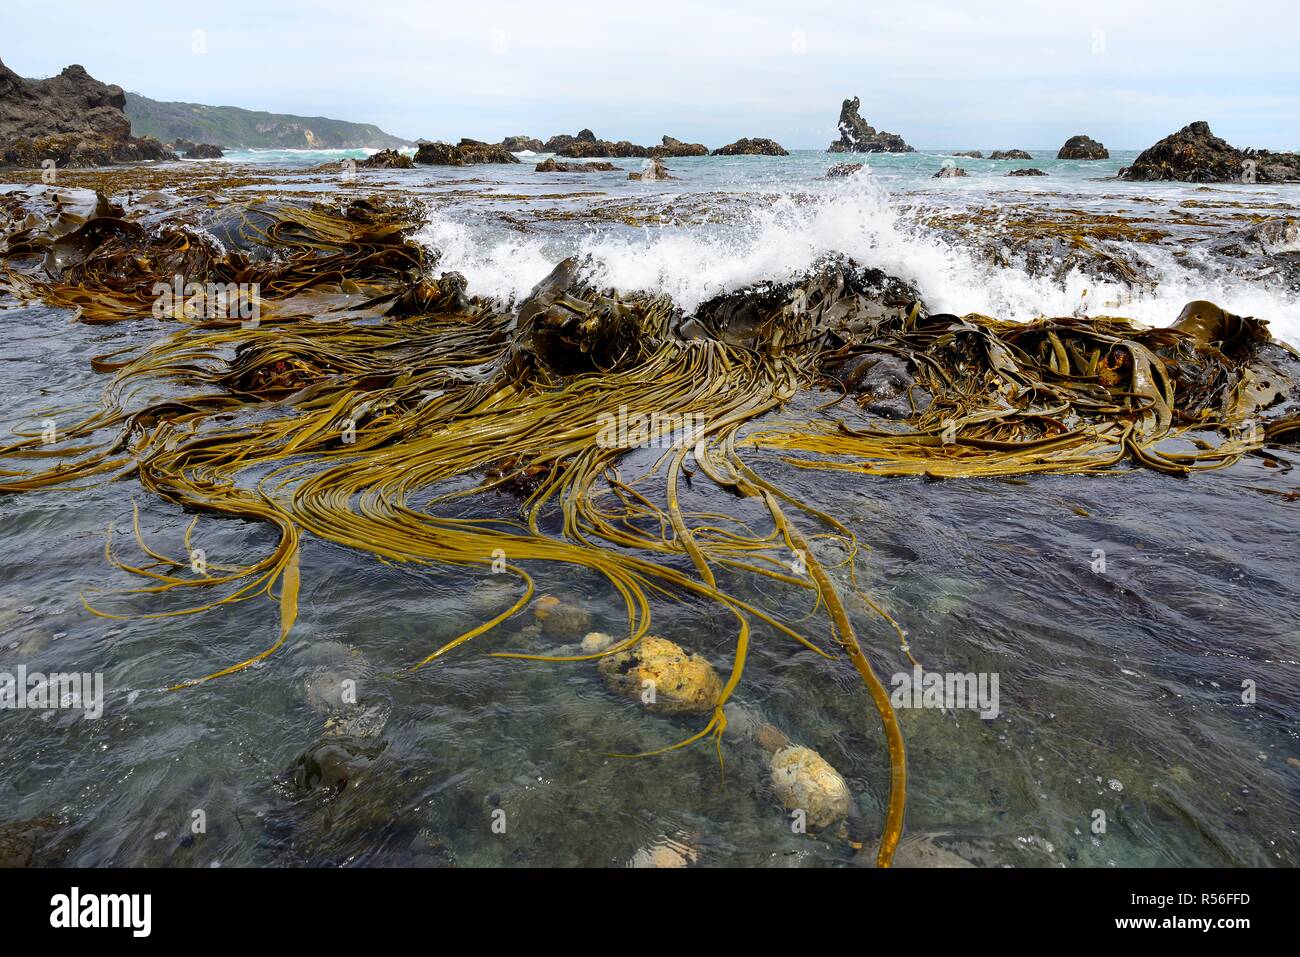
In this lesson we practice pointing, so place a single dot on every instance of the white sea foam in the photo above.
(780, 239)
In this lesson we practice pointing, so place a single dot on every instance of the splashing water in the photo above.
(783, 232)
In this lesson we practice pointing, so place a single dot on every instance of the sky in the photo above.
(944, 74)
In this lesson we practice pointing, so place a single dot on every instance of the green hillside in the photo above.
(233, 128)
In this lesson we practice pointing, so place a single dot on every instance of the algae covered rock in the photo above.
(464, 153)
(682, 682)
(758, 146)
(805, 781)
(948, 172)
(204, 151)
(1009, 155)
(675, 147)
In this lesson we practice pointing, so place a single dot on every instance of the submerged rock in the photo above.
(666, 852)
(464, 153)
(331, 766)
(31, 843)
(859, 136)
(594, 642)
(683, 682)
(804, 780)
(675, 147)
(72, 119)
(1195, 155)
(204, 151)
(752, 147)
(884, 384)
(1009, 155)
(1027, 171)
(1082, 148)
(551, 166)
(923, 852)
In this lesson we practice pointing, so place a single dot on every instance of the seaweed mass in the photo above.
(322, 376)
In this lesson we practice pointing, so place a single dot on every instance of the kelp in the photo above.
(371, 403)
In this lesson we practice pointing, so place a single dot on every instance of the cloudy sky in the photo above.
(945, 73)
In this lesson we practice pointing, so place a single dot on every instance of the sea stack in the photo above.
(1082, 148)
(859, 136)
(1196, 155)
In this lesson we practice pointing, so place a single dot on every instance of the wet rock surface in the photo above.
(859, 136)
(551, 166)
(803, 780)
(1027, 171)
(672, 146)
(387, 159)
(1082, 147)
(1009, 155)
(844, 169)
(653, 170)
(682, 682)
(950, 172)
(204, 151)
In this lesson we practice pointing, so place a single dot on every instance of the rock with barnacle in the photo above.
(666, 677)
(805, 781)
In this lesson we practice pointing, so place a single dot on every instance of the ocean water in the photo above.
(1121, 692)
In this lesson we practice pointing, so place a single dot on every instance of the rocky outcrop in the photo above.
(752, 147)
(859, 136)
(1196, 155)
(520, 144)
(386, 159)
(551, 166)
(844, 169)
(204, 151)
(949, 172)
(675, 147)
(587, 145)
(1082, 148)
(465, 153)
(72, 119)
(1027, 171)
(1009, 155)
(971, 154)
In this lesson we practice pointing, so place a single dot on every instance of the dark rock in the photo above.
(32, 843)
(1027, 171)
(72, 119)
(1196, 155)
(183, 146)
(655, 169)
(858, 136)
(518, 144)
(1009, 155)
(550, 166)
(675, 147)
(973, 154)
(752, 147)
(844, 169)
(582, 147)
(204, 151)
(386, 159)
(1082, 148)
(884, 384)
(948, 172)
(464, 153)
(332, 765)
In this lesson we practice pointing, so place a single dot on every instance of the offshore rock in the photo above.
(949, 172)
(803, 780)
(386, 159)
(654, 169)
(586, 145)
(859, 136)
(1196, 155)
(675, 147)
(72, 119)
(752, 147)
(1009, 155)
(1027, 171)
(520, 144)
(971, 154)
(204, 151)
(551, 166)
(683, 682)
(464, 153)
(1082, 148)
(844, 169)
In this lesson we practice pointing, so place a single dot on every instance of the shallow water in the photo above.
(1120, 691)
